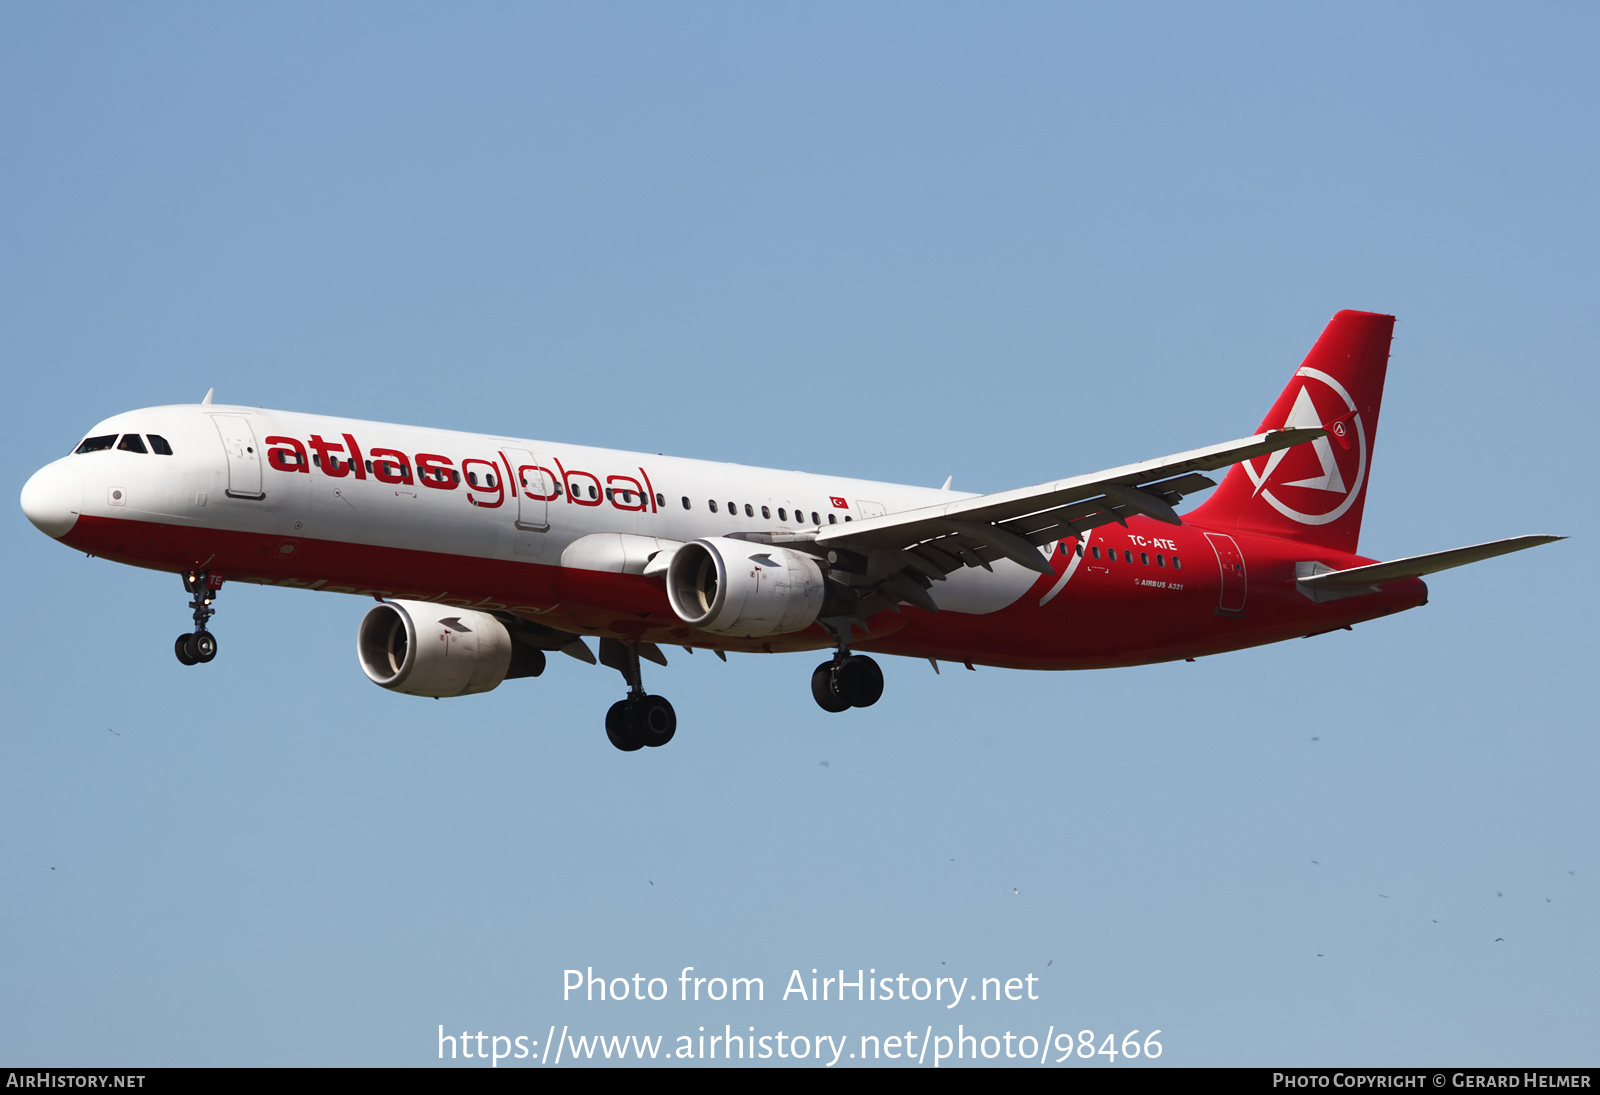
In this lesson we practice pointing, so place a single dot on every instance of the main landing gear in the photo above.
(199, 645)
(640, 719)
(848, 680)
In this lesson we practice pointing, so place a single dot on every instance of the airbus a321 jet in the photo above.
(486, 552)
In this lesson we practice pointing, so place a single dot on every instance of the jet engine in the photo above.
(733, 587)
(425, 649)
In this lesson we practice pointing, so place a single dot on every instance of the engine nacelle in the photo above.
(425, 649)
(733, 587)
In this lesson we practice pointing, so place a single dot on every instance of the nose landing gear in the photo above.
(199, 645)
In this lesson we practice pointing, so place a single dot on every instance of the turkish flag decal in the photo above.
(839, 503)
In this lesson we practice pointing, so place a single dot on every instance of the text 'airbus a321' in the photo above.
(486, 552)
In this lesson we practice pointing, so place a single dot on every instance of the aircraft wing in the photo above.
(1362, 579)
(901, 554)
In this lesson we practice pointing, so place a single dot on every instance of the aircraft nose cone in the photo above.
(52, 499)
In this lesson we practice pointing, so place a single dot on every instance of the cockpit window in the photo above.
(159, 446)
(132, 442)
(95, 444)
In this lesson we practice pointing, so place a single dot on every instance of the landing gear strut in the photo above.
(199, 645)
(848, 680)
(640, 719)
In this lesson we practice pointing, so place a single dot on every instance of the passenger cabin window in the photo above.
(713, 504)
(782, 515)
(1161, 561)
(1080, 551)
(1144, 557)
(815, 520)
(749, 511)
(733, 509)
(95, 444)
(766, 514)
(132, 442)
(832, 519)
(686, 501)
(1095, 551)
(1176, 564)
(158, 445)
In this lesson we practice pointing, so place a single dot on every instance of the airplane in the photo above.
(484, 553)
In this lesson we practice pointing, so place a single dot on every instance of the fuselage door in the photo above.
(535, 485)
(244, 455)
(1231, 560)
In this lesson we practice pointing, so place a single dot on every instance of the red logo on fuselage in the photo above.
(486, 486)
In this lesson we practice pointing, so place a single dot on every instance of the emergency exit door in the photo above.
(1230, 559)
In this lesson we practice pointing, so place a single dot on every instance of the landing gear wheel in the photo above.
(202, 646)
(639, 720)
(859, 681)
(652, 720)
(617, 729)
(823, 690)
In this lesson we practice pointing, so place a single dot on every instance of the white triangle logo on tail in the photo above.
(1303, 415)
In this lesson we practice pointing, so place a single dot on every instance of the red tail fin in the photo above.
(1315, 492)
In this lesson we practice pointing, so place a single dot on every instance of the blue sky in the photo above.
(892, 241)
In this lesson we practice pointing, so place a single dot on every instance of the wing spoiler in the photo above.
(1013, 524)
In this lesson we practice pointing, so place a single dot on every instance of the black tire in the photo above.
(823, 691)
(652, 720)
(617, 729)
(181, 649)
(860, 681)
(203, 646)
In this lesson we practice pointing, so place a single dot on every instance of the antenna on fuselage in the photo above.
(206, 402)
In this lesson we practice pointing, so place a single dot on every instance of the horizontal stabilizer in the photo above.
(1358, 579)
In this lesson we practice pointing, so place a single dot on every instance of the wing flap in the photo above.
(1115, 494)
(897, 556)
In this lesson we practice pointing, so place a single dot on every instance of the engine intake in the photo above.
(732, 587)
(425, 649)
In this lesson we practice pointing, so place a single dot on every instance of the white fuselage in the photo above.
(568, 495)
